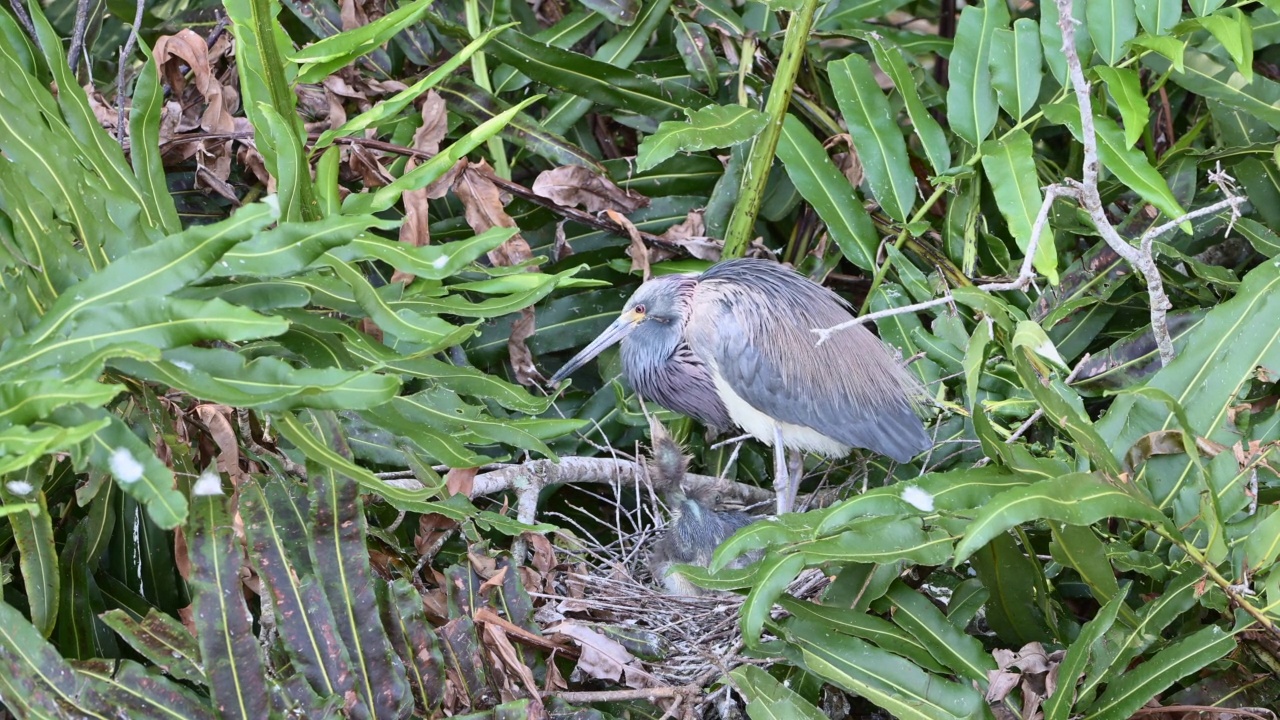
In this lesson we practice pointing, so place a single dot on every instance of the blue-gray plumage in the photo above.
(734, 346)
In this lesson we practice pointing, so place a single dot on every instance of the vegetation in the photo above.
(279, 278)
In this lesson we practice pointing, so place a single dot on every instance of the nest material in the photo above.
(610, 583)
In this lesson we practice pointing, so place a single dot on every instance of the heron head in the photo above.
(653, 316)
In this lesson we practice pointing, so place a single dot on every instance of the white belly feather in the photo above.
(761, 426)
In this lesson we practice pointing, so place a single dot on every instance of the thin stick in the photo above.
(125, 52)
(77, 35)
(24, 19)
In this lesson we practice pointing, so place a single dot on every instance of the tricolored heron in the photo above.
(695, 528)
(733, 346)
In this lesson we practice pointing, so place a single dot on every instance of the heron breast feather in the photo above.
(761, 426)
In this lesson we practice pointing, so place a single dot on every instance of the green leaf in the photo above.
(1129, 165)
(963, 654)
(1217, 362)
(142, 692)
(873, 629)
(1231, 28)
(1205, 76)
(1126, 90)
(715, 126)
(592, 79)
(771, 581)
(1080, 655)
(1158, 16)
(1262, 545)
(873, 126)
(569, 31)
(417, 644)
(622, 12)
(931, 135)
(392, 106)
(829, 192)
(157, 269)
(1132, 690)
(37, 556)
(233, 661)
(881, 540)
(1079, 548)
(144, 146)
(37, 681)
(342, 564)
(162, 640)
(697, 52)
(428, 172)
(889, 681)
(1171, 48)
(1015, 67)
(971, 101)
(1011, 169)
(428, 262)
(1204, 7)
(768, 699)
(1112, 23)
(265, 383)
(1051, 37)
(1075, 499)
(323, 58)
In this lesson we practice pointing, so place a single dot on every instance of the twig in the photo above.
(579, 470)
(1246, 712)
(1040, 411)
(77, 35)
(125, 52)
(657, 693)
(20, 12)
(1085, 191)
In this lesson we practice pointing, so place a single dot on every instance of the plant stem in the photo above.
(742, 223)
(480, 73)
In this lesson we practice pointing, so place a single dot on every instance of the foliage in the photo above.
(1094, 530)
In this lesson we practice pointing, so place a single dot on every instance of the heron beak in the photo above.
(613, 334)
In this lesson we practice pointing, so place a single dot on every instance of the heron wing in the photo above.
(751, 321)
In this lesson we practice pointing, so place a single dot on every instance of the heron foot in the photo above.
(782, 485)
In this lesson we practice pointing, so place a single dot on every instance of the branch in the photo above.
(125, 52)
(77, 35)
(537, 474)
(1085, 191)
(20, 12)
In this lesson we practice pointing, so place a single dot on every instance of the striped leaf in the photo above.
(876, 135)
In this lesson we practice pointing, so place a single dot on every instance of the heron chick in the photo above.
(695, 528)
(735, 346)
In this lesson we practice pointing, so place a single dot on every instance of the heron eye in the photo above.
(639, 309)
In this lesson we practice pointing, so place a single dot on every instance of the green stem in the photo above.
(743, 221)
(480, 73)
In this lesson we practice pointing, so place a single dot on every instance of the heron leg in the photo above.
(781, 474)
(795, 471)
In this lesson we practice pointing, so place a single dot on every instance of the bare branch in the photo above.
(77, 35)
(825, 333)
(125, 52)
(20, 12)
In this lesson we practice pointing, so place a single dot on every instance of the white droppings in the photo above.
(207, 484)
(917, 498)
(440, 262)
(19, 487)
(125, 466)
(273, 201)
(183, 365)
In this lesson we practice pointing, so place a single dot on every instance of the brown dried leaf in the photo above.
(435, 123)
(691, 235)
(192, 51)
(353, 16)
(460, 481)
(575, 185)
(602, 658)
(416, 229)
(217, 418)
(526, 373)
(483, 205)
(542, 551)
(501, 646)
(637, 251)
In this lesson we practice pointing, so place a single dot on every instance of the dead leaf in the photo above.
(191, 50)
(691, 235)
(484, 209)
(602, 658)
(460, 481)
(526, 373)
(416, 229)
(353, 16)
(572, 185)
(543, 555)
(217, 418)
(561, 248)
(501, 646)
(637, 251)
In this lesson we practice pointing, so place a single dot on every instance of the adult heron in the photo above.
(733, 346)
